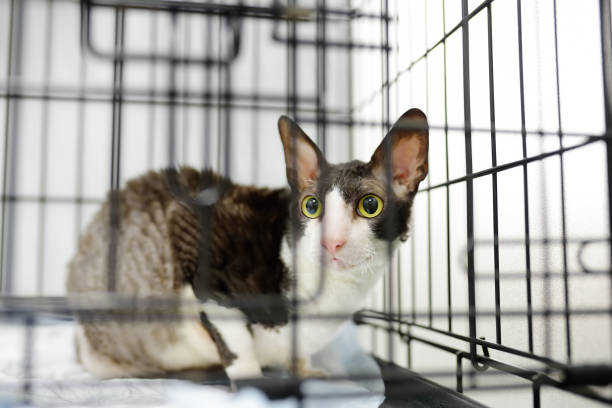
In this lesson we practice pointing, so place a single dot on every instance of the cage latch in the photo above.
(485, 348)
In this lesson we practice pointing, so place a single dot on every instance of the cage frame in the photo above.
(577, 379)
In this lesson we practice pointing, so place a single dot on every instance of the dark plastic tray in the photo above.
(409, 390)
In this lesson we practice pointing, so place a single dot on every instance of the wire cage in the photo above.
(502, 296)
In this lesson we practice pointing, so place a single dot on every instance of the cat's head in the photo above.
(346, 213)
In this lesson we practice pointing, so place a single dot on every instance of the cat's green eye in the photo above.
(370, 206)
(311, 206)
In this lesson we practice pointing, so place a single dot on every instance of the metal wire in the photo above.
(437, 324)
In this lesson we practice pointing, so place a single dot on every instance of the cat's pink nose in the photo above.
(333, 245)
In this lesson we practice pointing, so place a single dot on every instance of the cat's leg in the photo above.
(305, 369)
(228, 329)
(96, 363)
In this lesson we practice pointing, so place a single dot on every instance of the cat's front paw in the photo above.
(305, 370)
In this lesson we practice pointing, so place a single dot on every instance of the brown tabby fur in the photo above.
(240, 261)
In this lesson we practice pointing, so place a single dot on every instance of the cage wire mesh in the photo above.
(503, 291)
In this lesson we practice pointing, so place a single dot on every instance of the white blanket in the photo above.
(56, 379)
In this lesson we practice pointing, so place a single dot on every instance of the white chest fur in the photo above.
(323, 308)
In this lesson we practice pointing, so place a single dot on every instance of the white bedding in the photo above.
(56, 379)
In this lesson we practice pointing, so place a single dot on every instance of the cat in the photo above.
(228, 253)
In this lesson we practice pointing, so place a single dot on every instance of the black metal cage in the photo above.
(504, 290)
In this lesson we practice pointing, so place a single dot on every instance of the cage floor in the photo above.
(403, 388)
(57, 380)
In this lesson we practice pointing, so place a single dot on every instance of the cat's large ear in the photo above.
(403, 153)
(303, 158)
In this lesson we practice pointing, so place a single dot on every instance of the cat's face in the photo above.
(345, 214)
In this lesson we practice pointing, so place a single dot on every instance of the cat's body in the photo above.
(244, 273)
